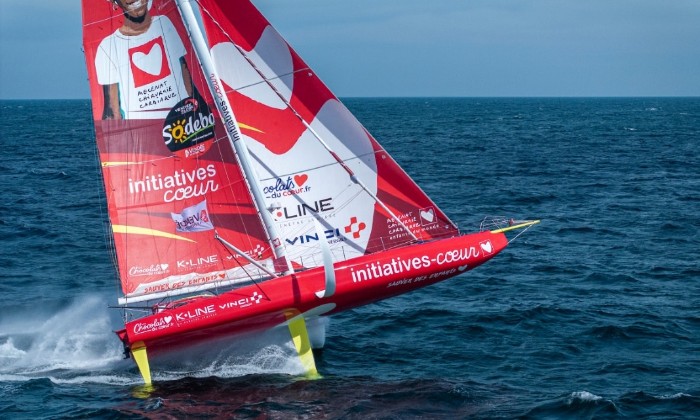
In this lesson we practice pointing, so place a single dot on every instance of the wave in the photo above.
(578, 404)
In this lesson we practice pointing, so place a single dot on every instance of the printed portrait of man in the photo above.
(141, 66)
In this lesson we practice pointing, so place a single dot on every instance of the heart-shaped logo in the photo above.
(271, 54)
(427, 214)
(164, 267)
(300, 179)
(151, 62)
(222, 276)
(462, 267)
(167, 319)
(486, 247)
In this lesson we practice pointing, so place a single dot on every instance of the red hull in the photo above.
(358, 282)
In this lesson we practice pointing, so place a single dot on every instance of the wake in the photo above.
(77, 345)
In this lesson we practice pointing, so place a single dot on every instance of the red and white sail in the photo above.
(290, 120)
(171, 177)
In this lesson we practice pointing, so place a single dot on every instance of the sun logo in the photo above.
(178, 132)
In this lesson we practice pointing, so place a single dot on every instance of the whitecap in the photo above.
(674, 396)
(584, 396)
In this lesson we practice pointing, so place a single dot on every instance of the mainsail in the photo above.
(173, 180)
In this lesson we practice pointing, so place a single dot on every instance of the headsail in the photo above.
(171, 177)
(290, 120)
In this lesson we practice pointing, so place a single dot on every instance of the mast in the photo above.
(233, 131)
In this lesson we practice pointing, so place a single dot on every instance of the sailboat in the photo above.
(242, 194)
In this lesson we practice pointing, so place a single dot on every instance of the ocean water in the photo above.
(595, 313)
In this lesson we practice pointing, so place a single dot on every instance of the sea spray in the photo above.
(258, 353)
(76, 338)
(76, 344)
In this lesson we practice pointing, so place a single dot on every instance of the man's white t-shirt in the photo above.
(146, 67)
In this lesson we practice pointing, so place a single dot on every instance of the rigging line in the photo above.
(267, 80)
(325, 145)
(248, 274)
(310, 168)
(243, 254)
(230, 186)
(229, 178)
(106, 228)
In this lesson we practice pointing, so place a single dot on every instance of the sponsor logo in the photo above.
(285, 187)
(189, 122)
(226, 114)
(151, 270)
(242, 302)
(193, 219)
(355, 227)
(149, 65)
(332, 235)
(195, 150)
(398, 265)
(303, 209)
(193, 263)
(427, 216)
(195, 313)
(155, 325)
(256, 253)
(486, 247)
(180, 185)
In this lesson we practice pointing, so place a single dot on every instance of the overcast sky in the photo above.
(417, 47)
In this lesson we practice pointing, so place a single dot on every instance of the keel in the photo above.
(138, 352)
(300, 336)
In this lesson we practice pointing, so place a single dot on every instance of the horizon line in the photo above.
(437, 97)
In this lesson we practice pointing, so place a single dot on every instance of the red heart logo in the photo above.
(300, 179)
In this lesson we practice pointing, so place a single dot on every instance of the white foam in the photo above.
(76, 345)
(584, 396)
(674, 396)
(9, 351)
(271, 359)
(77, 338)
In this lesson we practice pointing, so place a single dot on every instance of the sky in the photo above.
(380, 48)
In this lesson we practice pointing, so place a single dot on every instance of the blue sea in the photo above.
(594, 313)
